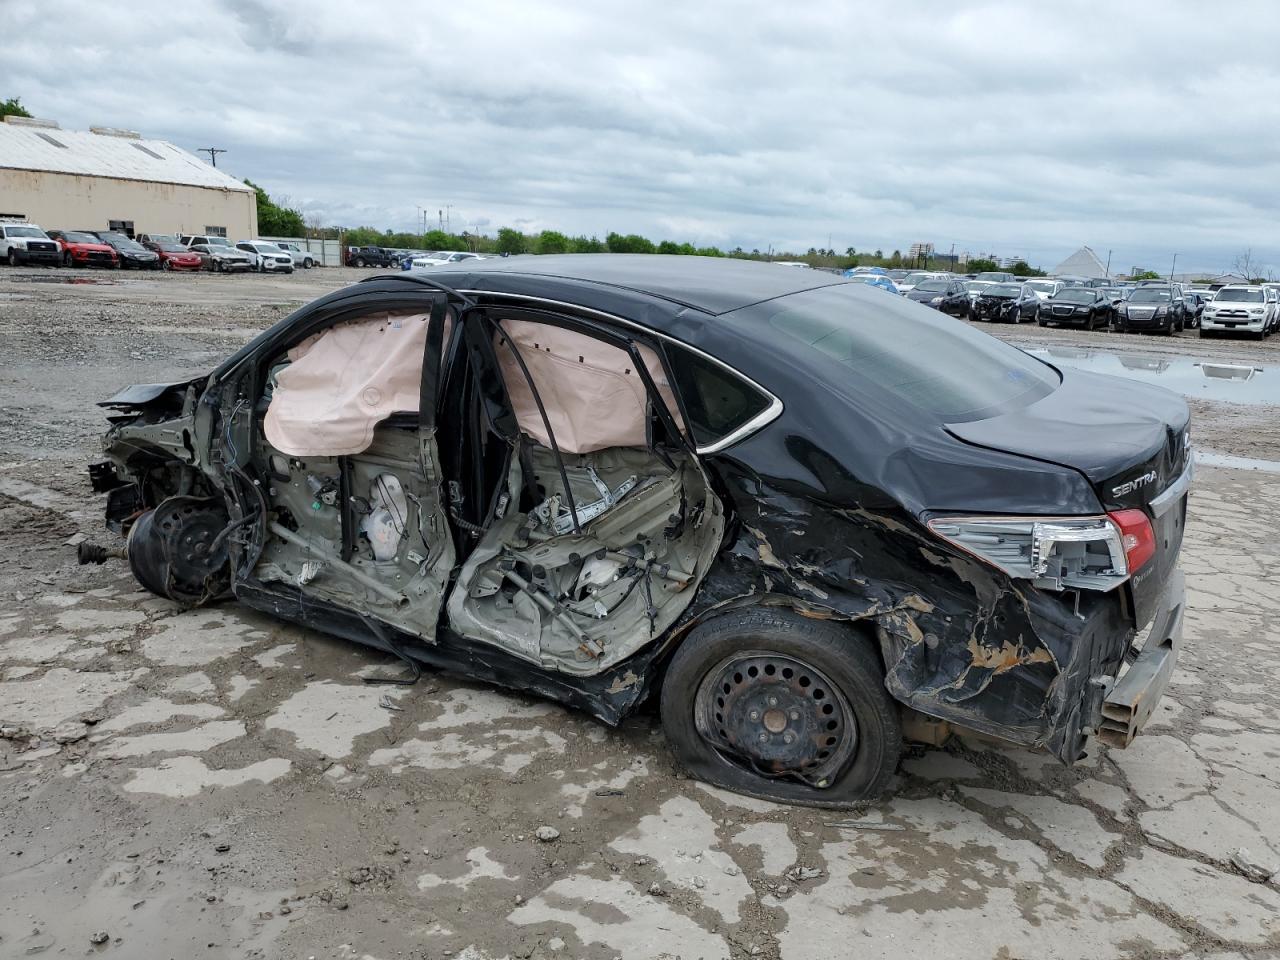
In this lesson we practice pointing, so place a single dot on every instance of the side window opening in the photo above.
(603, 524)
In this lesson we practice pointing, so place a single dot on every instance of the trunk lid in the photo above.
(1131, 440)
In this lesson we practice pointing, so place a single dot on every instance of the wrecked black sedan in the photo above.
(806, 518)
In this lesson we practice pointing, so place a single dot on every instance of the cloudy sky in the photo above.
(1143, 128)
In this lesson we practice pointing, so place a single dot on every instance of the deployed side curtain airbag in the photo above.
(342, 382)
(592, 395)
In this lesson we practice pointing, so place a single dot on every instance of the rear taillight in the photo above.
(1053, 552)
(1136, 537)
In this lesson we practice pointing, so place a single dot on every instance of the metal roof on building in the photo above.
(118, 155)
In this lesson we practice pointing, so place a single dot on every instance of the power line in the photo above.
(212, 152)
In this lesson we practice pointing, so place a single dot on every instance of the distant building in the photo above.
(106, 179)
(1083, 263)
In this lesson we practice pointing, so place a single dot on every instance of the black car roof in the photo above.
(711, 284)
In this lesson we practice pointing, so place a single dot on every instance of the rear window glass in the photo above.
(897, 351)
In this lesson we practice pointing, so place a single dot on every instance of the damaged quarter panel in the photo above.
(830, 501)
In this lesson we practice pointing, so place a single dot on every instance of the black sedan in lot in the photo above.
(1006, 302)
(1079, 306)
(949, 296)
(795, 512)
(1156, 307)
(130, 253)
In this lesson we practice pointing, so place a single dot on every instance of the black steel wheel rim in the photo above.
(778, 717)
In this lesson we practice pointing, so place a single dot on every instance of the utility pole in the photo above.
(1174, 267)
(212, 152)
(1108, 264)
(448, 218)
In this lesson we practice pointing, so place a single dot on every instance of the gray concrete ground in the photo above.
(218, 784)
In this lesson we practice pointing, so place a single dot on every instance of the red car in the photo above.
(83, 249)
(174, 256)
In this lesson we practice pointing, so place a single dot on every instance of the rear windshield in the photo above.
(1150, 295)
(1242, 296)
(897, 351)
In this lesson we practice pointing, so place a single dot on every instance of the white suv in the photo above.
(1244, 308)
(267, 256)
(22, 243)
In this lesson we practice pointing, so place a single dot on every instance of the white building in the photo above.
(1083, 263)
(106, 179)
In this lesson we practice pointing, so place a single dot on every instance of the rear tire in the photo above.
(834, 701)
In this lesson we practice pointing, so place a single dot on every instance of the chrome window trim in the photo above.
(758, 422)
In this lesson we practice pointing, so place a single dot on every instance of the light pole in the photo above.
(1173, 268)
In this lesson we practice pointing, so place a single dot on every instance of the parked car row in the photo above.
(23, 243)
(1156, 306)
(375, 256)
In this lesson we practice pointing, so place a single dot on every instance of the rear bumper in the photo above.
(1129, 704)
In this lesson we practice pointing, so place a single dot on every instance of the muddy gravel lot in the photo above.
(214, 783)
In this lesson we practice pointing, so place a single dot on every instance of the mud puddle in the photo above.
(69, 281)
(1202, 379)
(1212, 458)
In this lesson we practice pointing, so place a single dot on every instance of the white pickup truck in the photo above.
(301, 258)
(22, 243)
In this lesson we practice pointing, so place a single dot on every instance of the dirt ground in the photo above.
(218, 784)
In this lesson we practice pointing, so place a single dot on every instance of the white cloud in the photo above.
(1147, 128)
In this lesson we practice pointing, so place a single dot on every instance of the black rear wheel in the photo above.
(772, 704)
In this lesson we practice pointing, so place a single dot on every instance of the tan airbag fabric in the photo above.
(342, 382)
(593, 397)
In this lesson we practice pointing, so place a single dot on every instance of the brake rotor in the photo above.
(777, 715)
(172, 551)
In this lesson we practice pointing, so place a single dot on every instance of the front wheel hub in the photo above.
(777, 715)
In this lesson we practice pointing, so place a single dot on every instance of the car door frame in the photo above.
(608, 695)
(243, 376)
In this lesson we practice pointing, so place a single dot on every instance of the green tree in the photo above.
(1145, 275)
(510, 241)
(709, 251)
(631, 243)
(582, 244)
(668, 246)
(275, 220)
(1020, 268)
(13, 108)
(982, 265)
(438, 240)
(552, 241)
